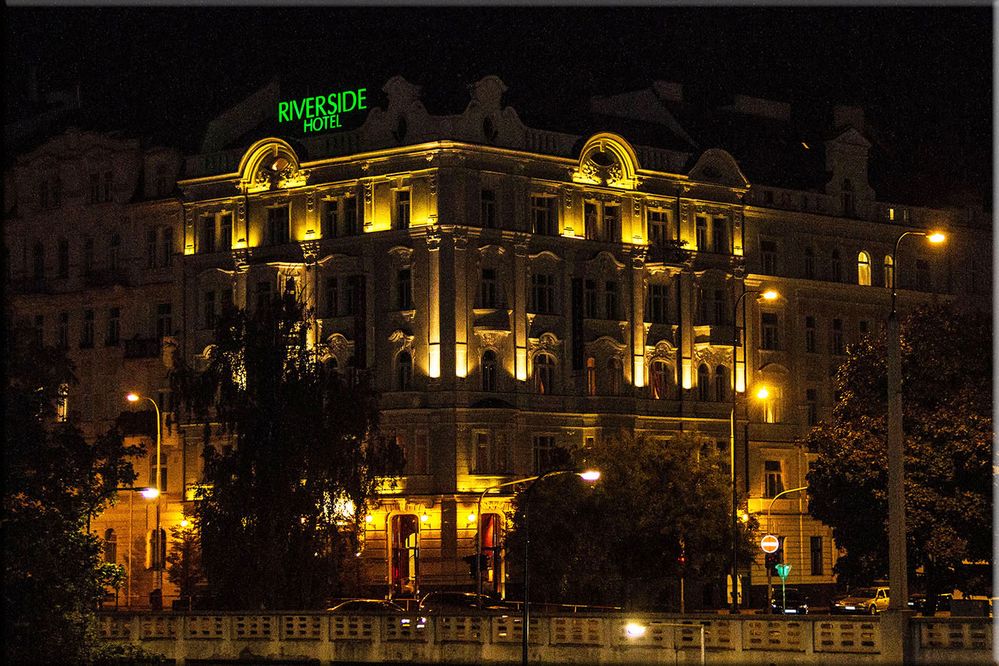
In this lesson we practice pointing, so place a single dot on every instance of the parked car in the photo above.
(460, 602)
(363, 606)
(872, 600)
(789, 602)
(920, 603)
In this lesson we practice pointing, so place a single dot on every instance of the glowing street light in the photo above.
(154, 492)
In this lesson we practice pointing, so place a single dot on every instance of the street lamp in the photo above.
(767, 295)
(478, 532)
(154, 492)
(898, 582)
(770, 506)
(589, 475)
(148, 493)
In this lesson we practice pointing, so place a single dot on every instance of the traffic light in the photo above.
(483, 564)
(773, 559)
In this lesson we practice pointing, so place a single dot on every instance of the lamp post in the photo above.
(898, 582)
(478, 527)
(770, 506)
(148, 493)
(157, 545)
(588, 475)
(768, 295)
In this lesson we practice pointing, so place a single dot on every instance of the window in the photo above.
(768, 257)
(63, 257)
(544, 374)
(263, 295)
(889, 272)
(611, 228)
(114, 327)
(836, 345)
(206, 234)
(277, 225)
(660, 384)
(402, 209)
(773, 479)
(591, 376)
(487, 288)
(225, 301)
(403, 371)
(162, 180)
(864, 269)
(107, 186)
(811, 402)
(88, 256)
(404, 289)
(658, 304)
(923, 281)
(405, 530)
(772, 406)
(768, 331)
(331, 219)
(62, 404)
(544, 218)
(114, 252)
(487, 209)
(417, 454)
(62, 333)
(156, 549)
(719, 307)
(164, 320)
(87, 334)
(703, 383)
(543, 293)
(225, 232)
(863, 327)
(152, 247)
(809, 272)
(615, 376)
(721, 384)
(848, 201)
(330, 297)
(815, 550)
(611, 300)
(810, 334)
(489, 371)
(719, 234)
(355, 295)
(547, 455)
(590, 299)
(701, 232)
(657, 221)
(485, 458)
(835, 267)
(110, 546)
(94, 194)
(166, 247)
(38, 261)
(208, 309)
(351, 222)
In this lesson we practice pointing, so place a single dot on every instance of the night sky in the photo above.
(924, 75)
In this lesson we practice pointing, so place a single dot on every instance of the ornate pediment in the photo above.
(270, 164)
(718, 166)
(609, 160)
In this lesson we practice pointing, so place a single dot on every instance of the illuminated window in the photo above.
(544, 374)
(809, 261)
(703, 383)
(487, 288)
(114, 327)
(864, 269)
(591, 376)
(491, 544)
(403, 371)
(660, 380)
(544, 217)
(611, 300)
(402, 209)
(489, 370)
(62, 404)
(658, 227)
(405, 565)
(487, 209)
(889, 272)
(773, 478)
(277, 225)
(87, 333)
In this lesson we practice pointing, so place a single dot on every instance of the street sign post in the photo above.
(783, 570)
(769, 543)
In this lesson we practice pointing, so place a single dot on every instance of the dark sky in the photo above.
(924, 74)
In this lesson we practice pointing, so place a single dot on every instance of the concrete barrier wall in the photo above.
(554, 639)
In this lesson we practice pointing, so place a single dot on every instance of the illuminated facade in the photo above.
(512, 291)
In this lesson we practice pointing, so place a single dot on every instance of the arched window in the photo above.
(864, 269)
(703, 383)
(110, 546)
(721, 384)
(615, 376)
(835, 267)
(889, 272)
(591, 376)
(544, 374)
(489, 371)
(660, 383)
(404, 371)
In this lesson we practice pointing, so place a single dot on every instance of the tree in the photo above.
(947, 416)
(661, 510)
(54, 482)
(279, 514)
(184, 560)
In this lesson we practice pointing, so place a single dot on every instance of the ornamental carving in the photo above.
(567, 198)
(338, 347)
(368, 193)
(310, 201)
(402, 341)
(432, 181)
(545, 343)
(712, 356)
(241, 259)
(608, 160)
(434, 236)
(270, 164)
(310, 252)
(662, 351)
(491, 339)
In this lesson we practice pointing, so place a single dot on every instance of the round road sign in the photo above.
(769, 543)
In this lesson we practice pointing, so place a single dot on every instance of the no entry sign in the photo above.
(769, 543)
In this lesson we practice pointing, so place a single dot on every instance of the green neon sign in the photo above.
(321, 113)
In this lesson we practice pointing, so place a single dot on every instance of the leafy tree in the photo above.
(54, 482)
(947, 416)
(620, 541)
(283, 499)
(184, 560)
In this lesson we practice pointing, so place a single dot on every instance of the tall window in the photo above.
(38, 261)
(114, 251)
(701, 232)
(721, 384)
(355, 295)
(703, 383)
(405, 568)
(402, 209)
(330, 294)
(836, 345)
(164, 320)
(658, 227)
(773, 479)
(225, 232)
(110, 546)
(277, 225)
(62, 334)
(811, 403)
(809, 272)
(114, 327)
(63, 257)
(615, 376)
(591, 376)
(544, 219)
(719, 234)
(769, 338)
(611, 300)
(208, 309)
(166, 247)
(659, 376)
(156, 549)
(772, 406)
(152, 247)
(544, 374)
(418, 454)
(720, 307)
(768, 257)
(483, 454)
(816, 559)
(489, 370)
(403, 371)
(263, 295)
(658, 304)
(546, 453)
(88, 256)
(848, 200)
(590, 299)
(835, 266)
(487, 209)
(487, 288)
(889, 272)
(87, 333)
(351, 221)
(404, 289)
(206, 234)
(864, 269)
(810, 334)
(331, 219)
(543, 293)
(611, 227)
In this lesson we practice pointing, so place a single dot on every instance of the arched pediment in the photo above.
(774, 369)
(606, 262)
(545, 255)
(718, 166)
(270, 164)
(607, 159)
